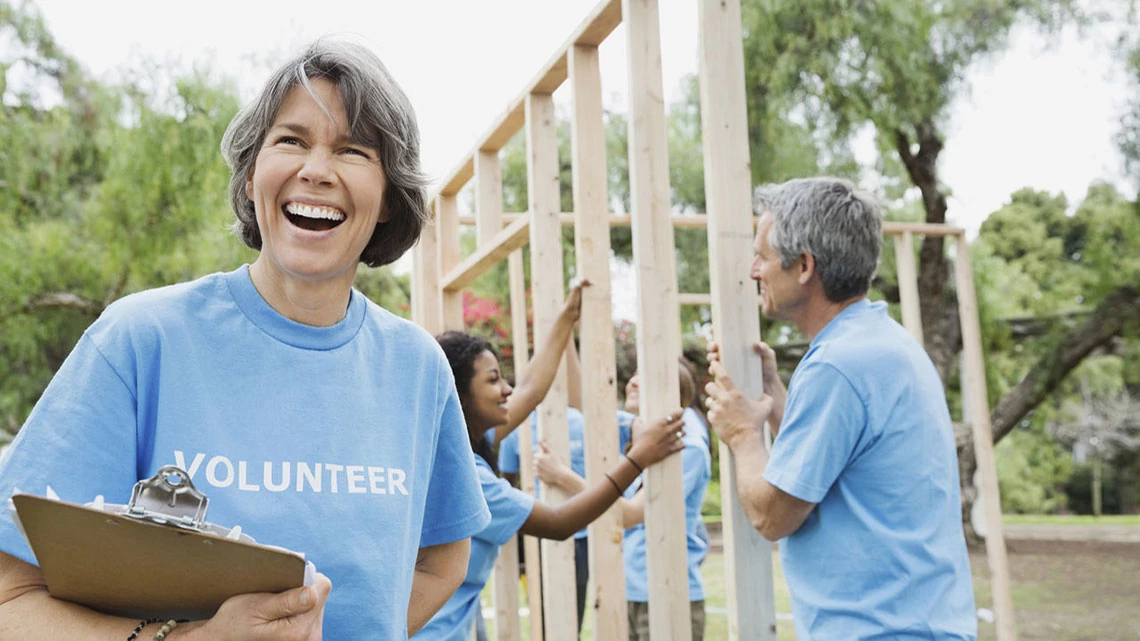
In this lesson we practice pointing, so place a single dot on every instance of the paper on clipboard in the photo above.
(156, 557)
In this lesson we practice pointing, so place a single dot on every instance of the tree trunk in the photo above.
(939, 319)
(1110, 318)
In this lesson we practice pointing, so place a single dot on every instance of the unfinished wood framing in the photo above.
(440, 274)
(447, 222)
(974, 394)
(427, 306)
(749, 590)
(907, 276)
(599, 370)
(526, 471)
(658, 324)
(559, 608)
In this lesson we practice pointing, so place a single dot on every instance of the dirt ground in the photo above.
(1068, 590)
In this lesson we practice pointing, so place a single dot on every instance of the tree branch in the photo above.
(1108, 320)
(65, 300)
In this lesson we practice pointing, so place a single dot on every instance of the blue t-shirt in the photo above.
(509, 449)
(346, 443)
(696, 467)
(867, 435)
(510, 508)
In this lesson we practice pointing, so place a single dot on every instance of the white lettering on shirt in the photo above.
(278, 476)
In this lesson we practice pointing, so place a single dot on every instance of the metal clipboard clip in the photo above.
(170, 498)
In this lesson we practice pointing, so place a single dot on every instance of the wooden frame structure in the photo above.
(440, 273)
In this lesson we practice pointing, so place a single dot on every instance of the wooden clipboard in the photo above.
(122, 565)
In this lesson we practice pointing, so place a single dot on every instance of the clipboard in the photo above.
(155, 557)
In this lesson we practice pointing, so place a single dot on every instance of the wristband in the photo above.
(640, 469)
(615, 484)
(139, 628)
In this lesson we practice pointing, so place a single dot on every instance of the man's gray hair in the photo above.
(379, 115)
(833, 221)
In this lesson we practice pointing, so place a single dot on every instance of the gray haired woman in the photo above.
(309, 415)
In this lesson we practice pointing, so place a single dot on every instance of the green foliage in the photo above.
(1032, 471)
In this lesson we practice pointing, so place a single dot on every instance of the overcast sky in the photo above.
(1035, 116)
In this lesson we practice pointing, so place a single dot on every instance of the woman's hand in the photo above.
(295, 615)
(551, 469)
(572, 309)
(658, 439)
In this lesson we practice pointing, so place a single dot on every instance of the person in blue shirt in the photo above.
(861, 484)
(696, 466)
(486, 398)
(509, 468)
(307, 414)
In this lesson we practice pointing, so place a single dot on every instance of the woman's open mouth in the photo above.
(313, 217)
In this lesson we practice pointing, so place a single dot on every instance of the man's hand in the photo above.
(773, 386)
(734, 416)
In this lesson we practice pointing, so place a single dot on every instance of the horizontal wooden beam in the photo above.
(495, 251)
(597, 26)
(890, 227)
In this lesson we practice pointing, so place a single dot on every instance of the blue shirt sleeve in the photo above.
(696, 462)
(510, 508)
(80, 439)
(509, 452)
(824, 419)
(455, 508)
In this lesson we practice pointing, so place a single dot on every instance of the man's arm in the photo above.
(439, 572)
(27, 611)
(739, 423)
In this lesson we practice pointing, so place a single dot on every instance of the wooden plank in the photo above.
(559, 609)
(491, 253)
(526, 469)
(706, 299)
(449, 256)
(488, 197)
(750, 593)
(974, 388)
(890, 228)
(658, 321)
(907, 274)
(598, 25)
(599, 369)
(427, 305)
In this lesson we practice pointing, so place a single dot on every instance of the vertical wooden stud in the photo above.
(449, 257)
(908, 284)
(658, 324)
(974, 379)
(559, 610)
(427, 308)
(736, 324)
(599, 392)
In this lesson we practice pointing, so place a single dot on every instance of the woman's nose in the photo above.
(317, 168)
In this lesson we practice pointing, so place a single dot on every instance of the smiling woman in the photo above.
(275, 383)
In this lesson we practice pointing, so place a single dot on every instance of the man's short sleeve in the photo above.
(824, 419)
(455, 508)
(509, 452)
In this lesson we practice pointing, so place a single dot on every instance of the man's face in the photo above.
(781, 292)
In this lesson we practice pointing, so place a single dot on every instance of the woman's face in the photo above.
(317, 194)
(632, 395)
(485, 404)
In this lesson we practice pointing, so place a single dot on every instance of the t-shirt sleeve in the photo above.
(824, 419)
(80, 439)
(695, 462)
(509, 452)
(510, 508)
(455, 508)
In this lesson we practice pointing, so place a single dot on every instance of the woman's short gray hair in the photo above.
(833, 221)
(380, 116)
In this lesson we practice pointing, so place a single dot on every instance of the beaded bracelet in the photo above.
(614, 483)
(139, 628)
(166, 628)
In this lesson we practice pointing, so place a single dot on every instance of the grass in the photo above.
(1071, 519)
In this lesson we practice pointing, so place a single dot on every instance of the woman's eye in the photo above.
(358, 152)
(288, 140)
